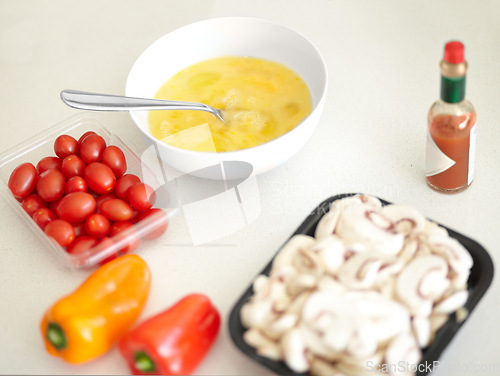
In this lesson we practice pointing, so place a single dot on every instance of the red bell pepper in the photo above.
(174, 341)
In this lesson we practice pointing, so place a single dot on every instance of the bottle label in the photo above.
(436, 160)
(472, 152)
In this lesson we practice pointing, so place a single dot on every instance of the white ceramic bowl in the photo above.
(229, 36)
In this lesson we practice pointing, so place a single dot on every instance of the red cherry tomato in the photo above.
(76, 207)
(97, 225)
(106, 243)
(124, 183)
(75, 184)
(141, 196)
(32, 203)
(92, 148)
(100, 199)
(50, 185)
(53, 205)
(22, 181)
(99, 178)
(79, 229)
(156, 219)
(125, 232)
(65, 145)
(61, 231)
(43, 217)
(80, 140)
(114, 158)
(81, 244)
(72, 165)
(48, 163)
(116, 209)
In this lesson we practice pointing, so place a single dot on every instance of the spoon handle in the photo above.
(104, 102)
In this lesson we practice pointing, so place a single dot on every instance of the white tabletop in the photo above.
(382, 58)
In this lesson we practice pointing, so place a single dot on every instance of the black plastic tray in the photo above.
(479, 280)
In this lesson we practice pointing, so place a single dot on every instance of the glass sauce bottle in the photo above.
(451, 136)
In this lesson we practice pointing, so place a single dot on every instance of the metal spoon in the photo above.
(104, 102)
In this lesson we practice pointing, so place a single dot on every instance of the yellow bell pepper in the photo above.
(86, 323)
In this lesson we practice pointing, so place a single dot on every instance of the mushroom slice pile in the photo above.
(371, 288)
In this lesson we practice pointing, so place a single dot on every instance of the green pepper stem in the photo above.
(143, 362)
(56, 336)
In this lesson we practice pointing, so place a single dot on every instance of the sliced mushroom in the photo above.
(422, 329)
(298, 302)
(406, 220)
(362, 343)
(413, 277)
(360, 367)
(307, 261)
(360, 271)
(316, 344)
(264, 345)
(331, 250)
(454, 252)
(286, 254)
(359, 224)
(301, 283)
(386, 318)
(256, 313)
(276, 328)
(327, 224)
(294, 351)
(321, 367)
(329, 313)
(433, 229)
(370, 201)
(403, 349)
(328, 283)
(452, 303)
(259, 283)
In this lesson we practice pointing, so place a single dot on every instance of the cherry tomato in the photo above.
(125, 232)
(97, 225)
(114, 158)
(100, 199)
(76, 207)
(72, 165)
(48, 163)
(156, 219)
(50, 185)
(22, 181)
(124, 183)
(75, 184)
(106, 243)
(43, 217)
(92, 148)
(79, 229)
(99, 178)
(141, 196)
(32, 203)
(81, 244)
(65, 145)
(61, 231)
(53, 205)
(80, 140)
(116, 209)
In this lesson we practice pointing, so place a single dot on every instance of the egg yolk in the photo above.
(260, 101)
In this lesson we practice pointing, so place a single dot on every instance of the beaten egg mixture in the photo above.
(260, 101)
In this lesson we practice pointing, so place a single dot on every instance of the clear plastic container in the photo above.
(42, 145)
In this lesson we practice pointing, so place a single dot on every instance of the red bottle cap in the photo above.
(454, 52)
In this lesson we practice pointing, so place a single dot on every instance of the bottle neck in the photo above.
(452, 89)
